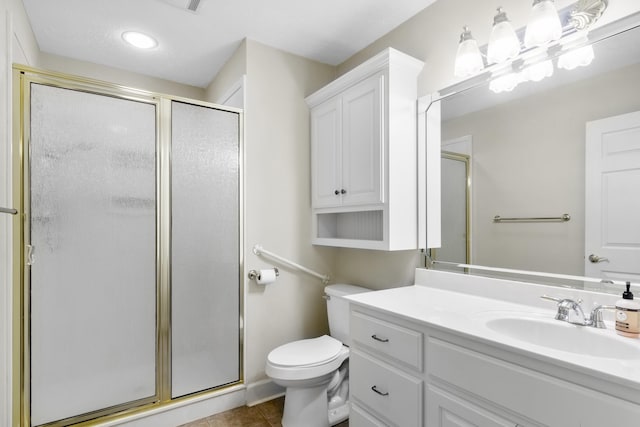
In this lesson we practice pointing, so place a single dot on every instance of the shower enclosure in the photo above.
(131, 245)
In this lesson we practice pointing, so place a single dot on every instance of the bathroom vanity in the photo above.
(457, 350)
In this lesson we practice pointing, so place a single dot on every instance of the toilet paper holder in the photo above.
(254, 274)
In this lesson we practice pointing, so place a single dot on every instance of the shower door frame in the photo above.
(23, 76)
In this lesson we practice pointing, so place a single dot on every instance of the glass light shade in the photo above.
(504, 83)
(468, 59)
(544, 25)
(580, 57)
(538, 71)
(576, 51)
(503, 43)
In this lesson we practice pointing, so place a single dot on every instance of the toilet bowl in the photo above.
(305, 368)
(315, 371)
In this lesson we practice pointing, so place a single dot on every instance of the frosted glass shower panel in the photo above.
(205, 250)
(93, 279)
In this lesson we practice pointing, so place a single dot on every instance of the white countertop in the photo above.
(446, 301)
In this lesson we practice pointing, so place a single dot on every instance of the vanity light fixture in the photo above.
(503, 43)
(139, 40)
(537, 71)
(511, 62)
(544, 25)
(576, 52)
(505, 83)
(468, 59)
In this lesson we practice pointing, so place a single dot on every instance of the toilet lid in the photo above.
(312, 351)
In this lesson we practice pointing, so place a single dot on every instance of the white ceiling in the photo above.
(194, 46)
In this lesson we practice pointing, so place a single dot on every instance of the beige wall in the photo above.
(528, 160)
(230, 74)
(277, 197)
(115, 75)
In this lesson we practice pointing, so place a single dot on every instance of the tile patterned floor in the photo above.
(267, 414)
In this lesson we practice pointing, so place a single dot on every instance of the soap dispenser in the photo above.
(628, 315)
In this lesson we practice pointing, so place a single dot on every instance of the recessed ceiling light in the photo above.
(139, 40)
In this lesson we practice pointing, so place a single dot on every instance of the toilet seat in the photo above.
(306, 359)
(309, 352)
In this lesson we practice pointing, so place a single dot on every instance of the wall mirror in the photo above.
(542, 151)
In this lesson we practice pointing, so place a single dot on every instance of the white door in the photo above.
(612, 198)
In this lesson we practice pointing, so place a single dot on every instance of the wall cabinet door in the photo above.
(347, 147)
(326, 153)
(362, 143)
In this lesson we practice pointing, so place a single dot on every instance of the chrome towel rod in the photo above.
(258, 250)
(8, 211)
(563, 218)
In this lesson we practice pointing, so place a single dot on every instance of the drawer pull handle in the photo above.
(377, 338)
(374, 388)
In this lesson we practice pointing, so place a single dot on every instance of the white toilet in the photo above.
(315, 371)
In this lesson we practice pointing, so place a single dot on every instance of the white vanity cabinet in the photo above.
(364, 156)
(406, 373)
(385, 372)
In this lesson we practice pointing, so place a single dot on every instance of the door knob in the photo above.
(596, 259)
(337, 192)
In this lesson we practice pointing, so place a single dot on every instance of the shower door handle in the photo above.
(30, 254)
(9, 211)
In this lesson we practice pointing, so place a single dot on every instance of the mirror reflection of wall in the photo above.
(529, 157)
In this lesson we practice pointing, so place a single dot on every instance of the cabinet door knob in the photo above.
(375, 388)
(337, 192)
(343, 191)
(377, 338)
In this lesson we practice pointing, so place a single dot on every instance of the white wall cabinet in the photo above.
(347, 147)
(461, 382)
(364, 156)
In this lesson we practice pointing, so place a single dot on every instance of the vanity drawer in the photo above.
(386, 391)
(388, 339)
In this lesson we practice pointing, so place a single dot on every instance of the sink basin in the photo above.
(563, 336)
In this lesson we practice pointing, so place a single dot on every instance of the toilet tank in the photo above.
(338, 309)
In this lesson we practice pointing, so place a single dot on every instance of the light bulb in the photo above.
(544, 25)
(468, 58)
(503, 43)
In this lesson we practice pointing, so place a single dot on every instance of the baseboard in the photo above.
(263, 390)
(186, 411)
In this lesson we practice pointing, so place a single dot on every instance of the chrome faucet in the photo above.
(571, 311)
(595, 319)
